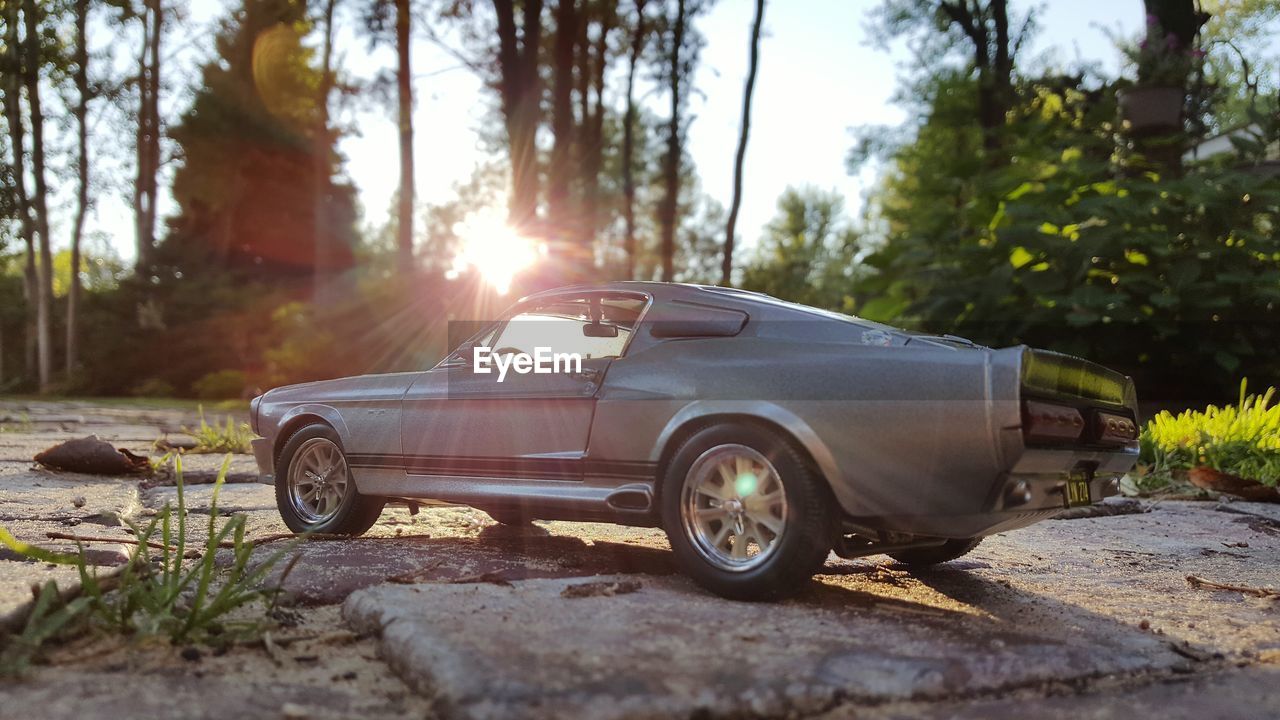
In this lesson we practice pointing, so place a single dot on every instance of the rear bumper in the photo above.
(262, 453)
(1033, 490)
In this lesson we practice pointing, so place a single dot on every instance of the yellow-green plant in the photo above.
(227, 437)
(1241, 439)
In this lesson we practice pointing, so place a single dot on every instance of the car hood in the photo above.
(359, 387)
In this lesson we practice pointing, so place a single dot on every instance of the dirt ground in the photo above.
(446, 614)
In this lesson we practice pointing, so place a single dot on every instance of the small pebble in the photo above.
(190, 654)
(78, 501)
(1144, 625)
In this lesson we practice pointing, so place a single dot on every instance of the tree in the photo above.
(807, 252)
(726, 269)
(681, 46)
(146, 183)
(593, 63)
(978, 33)
(564, 132)
(639, 38)
(14, 60)
(520, 91)
(986, 24)
(404, 95)
(322, 142)
(32, 15)
(248, 190)
(81, 112)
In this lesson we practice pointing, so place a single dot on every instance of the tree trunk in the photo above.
(39, 204)
(13, 81)
(404, 84)
(628, 143)
(82, 189)
(995, 74)
(521, 107)
(323, 272)
(671, 168)
(731, 227)
(146, 187)
(562, 128)
(596, 61)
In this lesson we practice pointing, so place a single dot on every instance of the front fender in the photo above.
(324, 412)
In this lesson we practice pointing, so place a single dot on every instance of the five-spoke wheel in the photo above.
(734, 508)
(746, 517)
(314, 488)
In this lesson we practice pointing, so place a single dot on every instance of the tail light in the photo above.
(1049, 423)
(1112, 429)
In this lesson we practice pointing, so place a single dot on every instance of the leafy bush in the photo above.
(1075, 246)
(1241, 439)
(220, 385)
(156, 593)
(227, 437)
(153, 388)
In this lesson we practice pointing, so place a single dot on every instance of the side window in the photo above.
(596, 326)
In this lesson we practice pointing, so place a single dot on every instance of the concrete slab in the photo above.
(328, 571)
(242, 497)
(670, 649)
(1248, 694)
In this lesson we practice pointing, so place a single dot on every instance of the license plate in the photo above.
(1077, 490)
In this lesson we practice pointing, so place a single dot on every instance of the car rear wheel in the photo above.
(946, 552)
(314, 488)
(746, 517)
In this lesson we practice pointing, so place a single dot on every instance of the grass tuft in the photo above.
(157, 593)
(228, 437)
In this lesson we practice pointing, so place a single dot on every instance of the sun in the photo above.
(490, 247)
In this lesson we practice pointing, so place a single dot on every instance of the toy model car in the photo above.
(758, 433)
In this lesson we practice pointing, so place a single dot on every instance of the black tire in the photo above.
(926, 556)
(356, 513)
(806, 538)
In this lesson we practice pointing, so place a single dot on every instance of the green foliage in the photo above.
(247, 189)
(1174, 280)
(1241, 439)
(227, 437)
(807, 251)
(153, 388)
(220, 385)
(156, 593)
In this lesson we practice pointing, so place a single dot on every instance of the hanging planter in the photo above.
(1152, 108)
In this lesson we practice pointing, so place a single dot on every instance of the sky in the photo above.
(818, 78)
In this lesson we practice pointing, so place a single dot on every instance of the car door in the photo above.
(469, 419)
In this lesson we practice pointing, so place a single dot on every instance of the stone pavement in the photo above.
(1083, 618)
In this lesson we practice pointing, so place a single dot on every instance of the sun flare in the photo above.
(491, 248)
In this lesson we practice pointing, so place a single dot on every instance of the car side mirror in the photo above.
(599, 330)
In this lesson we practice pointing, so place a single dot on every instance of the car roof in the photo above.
(715, 295)
(663, 290)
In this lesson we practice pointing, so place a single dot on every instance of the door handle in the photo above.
(589, 374)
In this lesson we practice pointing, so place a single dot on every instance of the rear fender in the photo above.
(699, 412)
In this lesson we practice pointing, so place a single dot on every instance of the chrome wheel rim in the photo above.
(734, 507)
(318, 480)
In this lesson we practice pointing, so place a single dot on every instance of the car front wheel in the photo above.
(314, 488)
(745, 516)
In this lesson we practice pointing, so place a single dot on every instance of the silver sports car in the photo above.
(759, 434)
